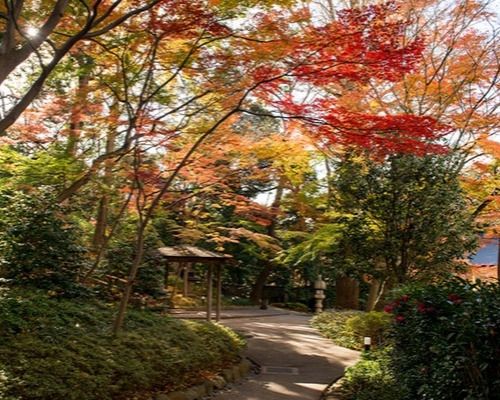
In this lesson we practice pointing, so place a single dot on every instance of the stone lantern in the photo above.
(319, 295)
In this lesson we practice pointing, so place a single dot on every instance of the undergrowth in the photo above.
(53, 349)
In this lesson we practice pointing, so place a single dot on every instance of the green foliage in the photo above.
(333, 325)
(414, 212)
(57, 349)
(10, 161)
(373, 324)
(396, 219)
(348, 328)
(179, 301)
(251, 252)
(446, 340)
(333, 247)
(151, 274)
(371, 378)
(236, 301)
(52, 167)
(39, 245)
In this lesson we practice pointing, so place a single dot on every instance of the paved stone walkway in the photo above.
(296, 362)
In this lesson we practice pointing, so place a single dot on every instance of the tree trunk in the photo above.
(377, 290)
(176, 282)
(329, 188)
(258, 287)
(347, 293)
(76, 122)
(372, 294)
(14, 53)
(148, 212)
(139, 250)
(101, 223)
(99, 238)
(101, 250)
(256, 295)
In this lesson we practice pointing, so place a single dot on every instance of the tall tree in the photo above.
(46, 31)
(182, 72)
(418, 209)
(403, 218)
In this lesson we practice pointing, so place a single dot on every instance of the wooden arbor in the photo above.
(191, 254)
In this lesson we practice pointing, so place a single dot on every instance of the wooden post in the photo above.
(209, 292)
(186, 283)
(176, 281)
(167, 272)
(219, 292)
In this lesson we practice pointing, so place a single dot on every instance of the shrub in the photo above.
(237, 301)
(446, 340)
(39, 245)
(374, 324)
(57, 349)
(333, 326)
(179, 301)
(371, 378)
(151, 275)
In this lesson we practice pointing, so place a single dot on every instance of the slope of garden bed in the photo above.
(52, 348)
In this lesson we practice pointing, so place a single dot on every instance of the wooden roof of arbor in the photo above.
(184, 253)
(188, 254)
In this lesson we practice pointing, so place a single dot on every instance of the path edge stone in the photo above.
(332, 391)
(227, 376)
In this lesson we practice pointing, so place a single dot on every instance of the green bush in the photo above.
(39, 244)
(151, 274)
(237, 301)
(446, 340)
(371, 378)
(333, 325)
(373, 324)
(57, 349)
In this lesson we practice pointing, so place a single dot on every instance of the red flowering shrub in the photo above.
(446, 340)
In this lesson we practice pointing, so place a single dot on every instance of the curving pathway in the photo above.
(296, 362)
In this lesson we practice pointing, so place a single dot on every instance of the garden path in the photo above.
(296, 362)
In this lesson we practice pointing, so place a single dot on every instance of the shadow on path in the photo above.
(297, 363)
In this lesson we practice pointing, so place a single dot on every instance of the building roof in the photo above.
(488, 273)
(184, 253)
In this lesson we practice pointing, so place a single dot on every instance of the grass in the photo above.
(53, 348)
